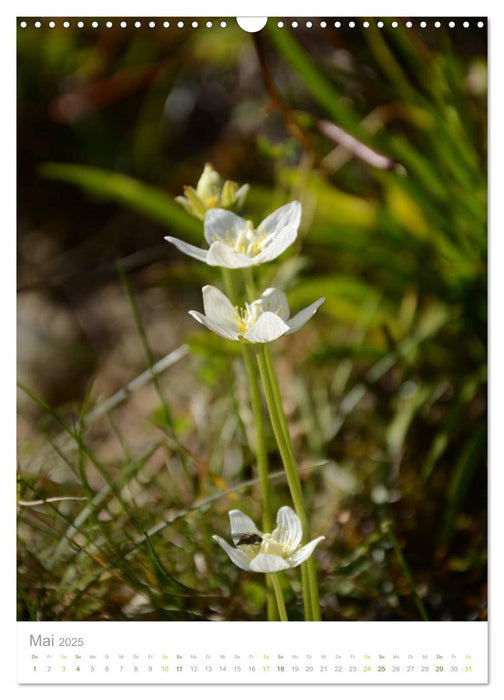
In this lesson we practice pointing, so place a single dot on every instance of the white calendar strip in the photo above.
(252, 652)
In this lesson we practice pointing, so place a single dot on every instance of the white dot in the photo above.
(23, 25)
(152, 25)
(294, 24)
(323, 25)
(437, 24)
(166, 24)
(365, 25)
(337, 25)
(124, 24)
(280, 25)
(409, 24)
(80, 24)
(138, 25)
(466, 24)
(52, 24)
(208, 24)
(94, 24)
(223, 24)
(37, 24)
(109, 24)
(195, 24)
(481, 24)
(180, 24)
(395, 24)
(309, 25)
(351, 25)
(380, 24)
(451, 24)
(423, 24)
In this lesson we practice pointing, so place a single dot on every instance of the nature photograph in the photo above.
(251, 319)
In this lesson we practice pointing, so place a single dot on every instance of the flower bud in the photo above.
(211, 192)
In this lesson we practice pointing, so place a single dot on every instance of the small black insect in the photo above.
(248, 538)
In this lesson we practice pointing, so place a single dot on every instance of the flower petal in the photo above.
(241, 524)
(185, 203)
(275, 300)
(268, 327)
(225, 332)
(289, 531)
(302, 554)
(223, 225)
(237, 556)
(275, 244)
(268, 563)
(297, 321)
(222, 255)
(188, 249)
(288, 215)
(228, 194)
(210, 183)
(241, 194)
(197, 205)
(217, 306)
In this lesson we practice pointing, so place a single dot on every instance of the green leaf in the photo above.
(406, 411)
(125, 190)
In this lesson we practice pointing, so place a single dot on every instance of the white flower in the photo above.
(235, 243)
(212, 191)
(262, 321)
(267, 552)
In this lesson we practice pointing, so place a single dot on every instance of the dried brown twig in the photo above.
(357, 148)
(346, 141)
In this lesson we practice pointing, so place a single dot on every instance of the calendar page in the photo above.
(252, 349)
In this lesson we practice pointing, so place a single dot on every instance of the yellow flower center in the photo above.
(246, 317)
(246, 241)
(271, 546)
(268, 545)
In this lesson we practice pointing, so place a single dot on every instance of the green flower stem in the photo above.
(311, 575)
(307, 597)
(260, 446)
(262, 463)
(257, 411)
(308, 580)
(308, 567)
(279, 596)
(229, 283)
(282, 435)
(289, 465)
(249, 284)
(261, 451)
(262, 460)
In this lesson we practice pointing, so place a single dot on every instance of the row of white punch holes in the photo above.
(294, 24)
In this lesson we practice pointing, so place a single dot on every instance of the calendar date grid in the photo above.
(252, 663)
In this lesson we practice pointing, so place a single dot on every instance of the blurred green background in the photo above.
(385, 389)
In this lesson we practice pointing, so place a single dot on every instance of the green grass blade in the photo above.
(471, 457)
(321, 88)
(125, 190)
